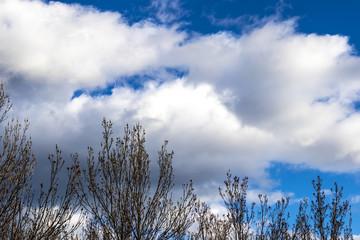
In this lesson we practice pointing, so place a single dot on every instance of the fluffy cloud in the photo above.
(299, 88)
(269, 94)
(69, 44)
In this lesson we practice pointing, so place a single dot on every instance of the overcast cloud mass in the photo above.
(224, 101)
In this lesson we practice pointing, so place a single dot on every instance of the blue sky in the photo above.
(321, 16)
(268, 89)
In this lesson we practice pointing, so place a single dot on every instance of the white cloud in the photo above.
(355, 199)
(200, 128)
(269, 94)
(278, 79)
(70, 44)
(167, 11)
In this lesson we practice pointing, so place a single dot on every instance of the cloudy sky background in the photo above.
(269, 89)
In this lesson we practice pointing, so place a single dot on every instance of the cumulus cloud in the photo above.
(269, 94)
(71, 44)
(297, 87)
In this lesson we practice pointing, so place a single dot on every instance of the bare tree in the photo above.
(240, 216)
(116, 190)
(319, 209)
(263, 218)
(16, 167)
(50, 217)
(278, 225)
(17, 163)
(91, 230)
(338, 211)
(20, 216)
(302, 226)
(210, 226)
(329, 219)
(348, 229)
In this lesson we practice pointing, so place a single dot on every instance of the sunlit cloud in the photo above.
(270, 94)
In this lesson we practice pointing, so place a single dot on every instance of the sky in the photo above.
(268, 89)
